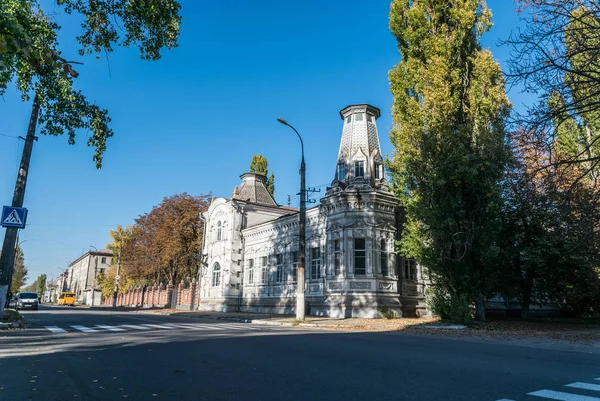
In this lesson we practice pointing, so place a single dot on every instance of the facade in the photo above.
(251, 243)
(82, 273)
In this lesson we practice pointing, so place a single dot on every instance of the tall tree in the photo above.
(163, 244)
(40, 284)
(20, 273)
(259, 164)
(449, 143)
(557, 56)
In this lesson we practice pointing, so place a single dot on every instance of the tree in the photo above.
(20, 273)
(557, 57)
(260, 165)
(30, 288)
(449, 140)
(162, 245)
(40, 284)
(30, 56)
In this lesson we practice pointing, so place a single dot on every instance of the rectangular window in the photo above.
(359, 168)
(265, 269)
(337, 256)
(359, 117)
(279, 275)
(369, 118)
(294, 266)
(410, 269)
(103, 260)
(360, 262)
(384, 260)
(341, 171)
(315, 263)
(377, 172)
(348, 119)
(250, 271)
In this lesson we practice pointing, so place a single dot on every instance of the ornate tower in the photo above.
(360, 164)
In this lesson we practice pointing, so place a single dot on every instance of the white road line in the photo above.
(55, 329)
(159, 326)
(584, 386)
(84, 329)
(109, 328)
(558, 395)
(134, 326)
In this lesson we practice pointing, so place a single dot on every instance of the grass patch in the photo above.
(11, 315)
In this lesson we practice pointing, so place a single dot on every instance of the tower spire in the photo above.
(360, 163)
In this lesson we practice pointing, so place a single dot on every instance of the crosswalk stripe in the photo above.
(84, 329)
(134, 326)
(109, 328)
(159, 326)
(584, 386)
(559, 395)
(55, 329)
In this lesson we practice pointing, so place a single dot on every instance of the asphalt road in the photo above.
(82, 354)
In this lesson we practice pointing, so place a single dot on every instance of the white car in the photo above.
(27, 300)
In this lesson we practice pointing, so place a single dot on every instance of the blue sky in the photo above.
(192, 121)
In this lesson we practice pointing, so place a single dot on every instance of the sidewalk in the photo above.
(557, 331)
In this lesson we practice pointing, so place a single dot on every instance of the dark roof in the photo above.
(252, 189)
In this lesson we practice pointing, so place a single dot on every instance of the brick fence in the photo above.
(180, 296)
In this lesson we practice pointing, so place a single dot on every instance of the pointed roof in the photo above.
(253, 189)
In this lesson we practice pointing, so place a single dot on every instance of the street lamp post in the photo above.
(300, 302)
(93, 291)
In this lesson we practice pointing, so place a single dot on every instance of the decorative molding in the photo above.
(386, 286)
(360, 285)
(335, 286)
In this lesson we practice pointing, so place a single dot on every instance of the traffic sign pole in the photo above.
(7, 258)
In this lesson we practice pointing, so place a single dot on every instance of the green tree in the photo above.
(556, 57)
(20, 273)
(40, 284)
(30, 288)
(31, 59)
(259, 164)
(449, 140)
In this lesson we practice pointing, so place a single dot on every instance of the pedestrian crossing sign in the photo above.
(13, 216)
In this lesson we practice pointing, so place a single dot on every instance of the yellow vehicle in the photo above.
(67, 298)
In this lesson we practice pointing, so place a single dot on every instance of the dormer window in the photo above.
(359, 117)
(359, 168)
(348, 119)
(341, 172)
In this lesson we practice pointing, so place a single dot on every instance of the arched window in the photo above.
(219, 231)
(216, 275)
(384, 259)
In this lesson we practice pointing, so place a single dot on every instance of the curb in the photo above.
(231, 319)
(12, 325)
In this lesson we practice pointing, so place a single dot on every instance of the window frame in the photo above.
(219, 231)
(341, 171)
(294, 266)
(359, 166)
(384, 259)
(279, 268)
(216, 275)
(410, 269)
(251, 271)
(264, 277)
(359, 116)
(360, 254)
(337, 258)
(315, 263)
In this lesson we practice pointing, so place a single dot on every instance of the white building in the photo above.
(82, 274)
(251, 243)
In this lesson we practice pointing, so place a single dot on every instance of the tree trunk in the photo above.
(527, 288)
(480, 308)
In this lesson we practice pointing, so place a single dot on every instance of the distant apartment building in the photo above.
(82, 274)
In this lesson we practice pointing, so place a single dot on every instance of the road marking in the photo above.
(558, 395)
(55, 329)
(134, 326)
(159, 326)
(84, 329)
(584, 386)
(109, 328)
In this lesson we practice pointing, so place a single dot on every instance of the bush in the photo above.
(388, 313)
(452, 307)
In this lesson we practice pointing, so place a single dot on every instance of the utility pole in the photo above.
(300, 299)
(116, 290)
(7, 258)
